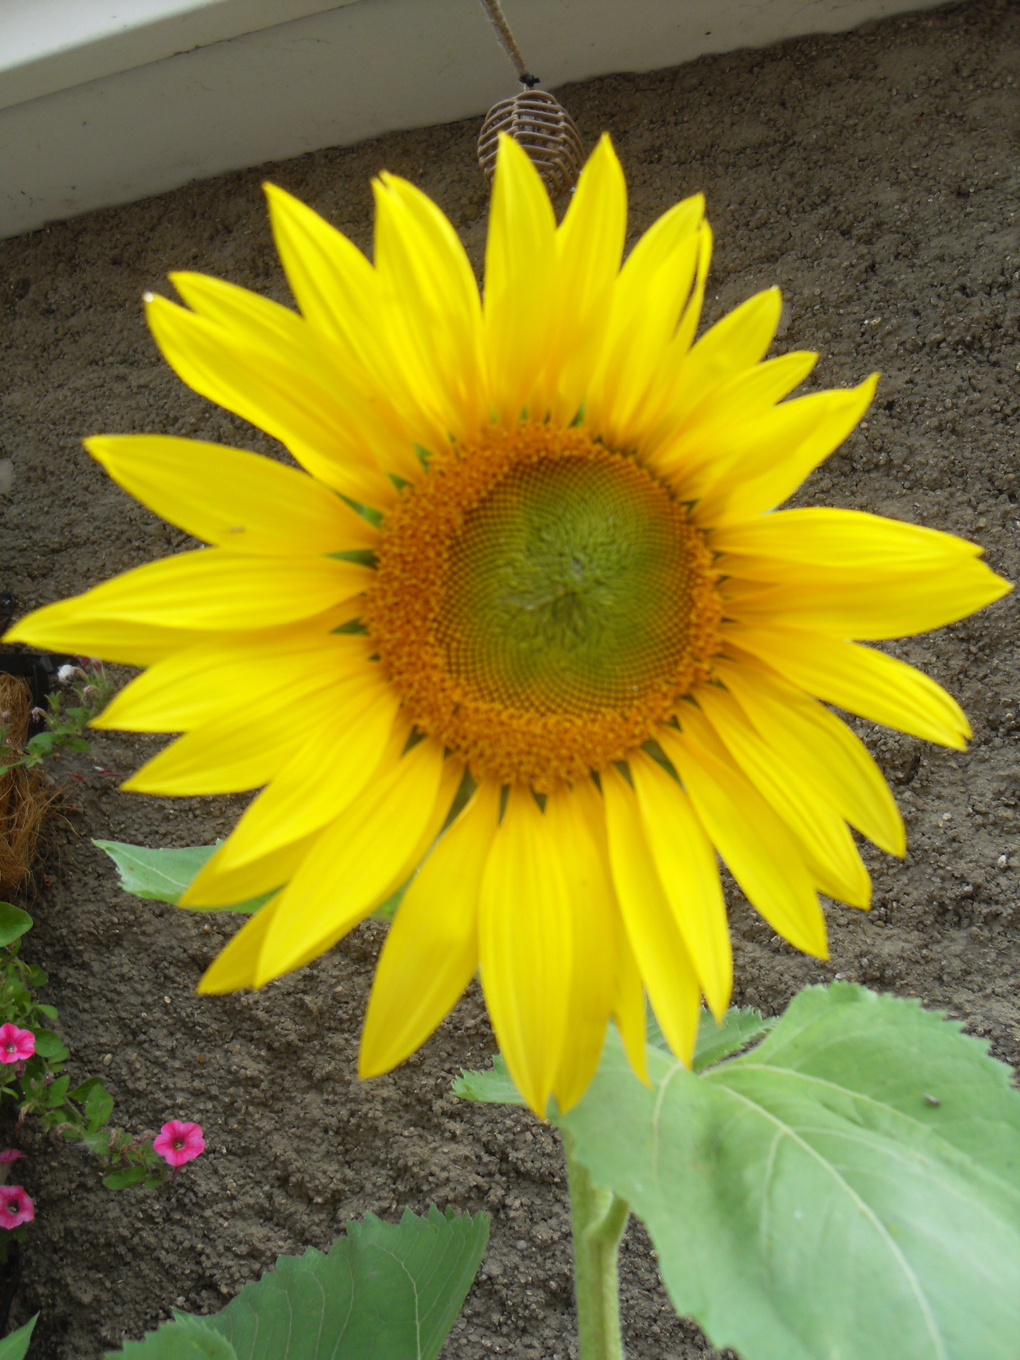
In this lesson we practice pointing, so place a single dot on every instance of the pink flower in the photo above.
(15, 1207)
(9, 1155)
(15, 1044)
(178, 1143)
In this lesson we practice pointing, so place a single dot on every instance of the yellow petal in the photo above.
(340, 295)
(728, 348)
(859, 679)
(335, 287)
(234, 967)
(851, 539)
(851, 574)
(436, 310)
(352, 859)
(403, 870)
(750, 837)
(689, 876)
(525, 941)
(215, 886)
(235, 499)
(595, 932)
(641, 351)
(58, 628)
(520, 281)
(325, 774)
(237, 752)
(761, 461)
(431, 950)
(214, 589)
(278, 670)
(628, 1004)
(658, 946)
(866, 605)
(327, 430)
(820, 832)
(589, 244)
(629, 1010)
(822, 747)
(750, 394)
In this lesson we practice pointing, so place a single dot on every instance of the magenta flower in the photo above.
(15, 1207)
(15, 1044)
(9, 1155)
(178, 1143)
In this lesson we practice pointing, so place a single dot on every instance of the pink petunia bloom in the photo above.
(178, 1142)
(15, 1207)
(15, 1044)
(9, 1155)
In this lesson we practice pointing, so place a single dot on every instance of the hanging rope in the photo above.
(498, 20)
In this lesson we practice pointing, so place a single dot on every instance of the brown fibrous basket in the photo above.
(24, 795)
(546, 131)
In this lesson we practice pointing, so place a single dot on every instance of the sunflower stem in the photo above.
(598, 1219)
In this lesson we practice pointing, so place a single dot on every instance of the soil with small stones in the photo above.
(874, 176)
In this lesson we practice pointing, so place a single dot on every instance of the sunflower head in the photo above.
(523, 630)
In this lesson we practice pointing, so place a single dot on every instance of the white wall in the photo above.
(104, 105)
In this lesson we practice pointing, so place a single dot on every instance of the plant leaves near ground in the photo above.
(164, 875)
(386, 1291)
(13, 923)
(122, 1180)
(50, 1045)
(849, 1188)
(13, 1347)
(186, 1338)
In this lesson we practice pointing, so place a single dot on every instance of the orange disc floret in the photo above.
(541, 603)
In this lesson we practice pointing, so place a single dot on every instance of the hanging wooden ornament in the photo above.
(533, 118)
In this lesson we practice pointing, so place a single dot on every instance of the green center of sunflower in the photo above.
(565, 587)
(541, 603)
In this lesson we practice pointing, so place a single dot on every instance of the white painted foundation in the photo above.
(109, 101)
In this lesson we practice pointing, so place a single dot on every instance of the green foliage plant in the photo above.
(841, 1183)
(70, 710)
(40, 1086)
(385, 1291)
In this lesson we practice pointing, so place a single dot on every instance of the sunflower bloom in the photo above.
(526, 632)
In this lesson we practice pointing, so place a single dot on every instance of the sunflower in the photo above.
(525, 631)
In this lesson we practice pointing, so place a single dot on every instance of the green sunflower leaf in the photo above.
(850, 1187)
(164, 875)
(186, 1338)
(386, 1291)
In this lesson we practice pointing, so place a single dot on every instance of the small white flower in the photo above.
(66, 673)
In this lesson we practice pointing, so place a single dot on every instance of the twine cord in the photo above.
(498, 20)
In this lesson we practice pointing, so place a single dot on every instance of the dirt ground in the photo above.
(875, 177)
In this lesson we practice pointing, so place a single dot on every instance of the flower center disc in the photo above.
(541, 603)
